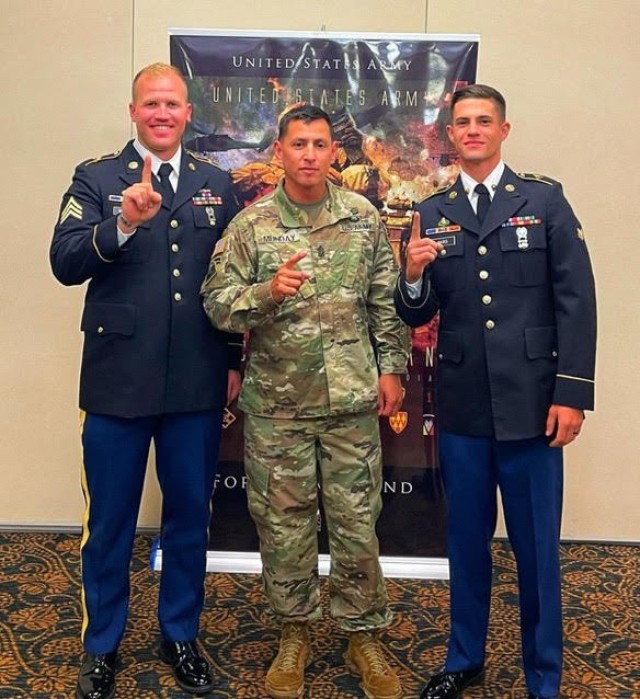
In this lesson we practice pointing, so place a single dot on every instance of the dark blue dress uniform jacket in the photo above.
(517, 308)
(149, 347)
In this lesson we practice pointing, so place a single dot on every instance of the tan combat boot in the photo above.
(285, 678)
(365, 657)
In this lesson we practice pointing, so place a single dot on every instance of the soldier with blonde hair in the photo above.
(139, 226)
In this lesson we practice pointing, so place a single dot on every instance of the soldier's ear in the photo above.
(277, 149)
(450, 133)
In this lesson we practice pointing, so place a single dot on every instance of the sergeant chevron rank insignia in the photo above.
(72, 209)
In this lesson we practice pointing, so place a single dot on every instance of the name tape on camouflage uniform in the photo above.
(356, 227)
(283, 238)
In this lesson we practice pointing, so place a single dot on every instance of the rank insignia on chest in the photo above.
(399, 421)
(521, 221)
(428, 232)
(204, 197)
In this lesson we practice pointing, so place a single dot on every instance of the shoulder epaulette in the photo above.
(201, 158)
(108, 156)
(532, 177)
(440, 190)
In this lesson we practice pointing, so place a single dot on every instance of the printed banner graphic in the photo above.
(387, 98)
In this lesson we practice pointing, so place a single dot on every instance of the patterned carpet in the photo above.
(40, 622)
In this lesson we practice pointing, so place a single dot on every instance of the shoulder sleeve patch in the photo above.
(108, 156)
(533, 177)
(440, 190)
(219, 247)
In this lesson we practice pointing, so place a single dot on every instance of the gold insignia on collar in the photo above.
(453, 195)
(509, 188)
(191, 167)
(132, 165)
(580, 233)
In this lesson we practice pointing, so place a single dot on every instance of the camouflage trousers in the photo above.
(288, 462)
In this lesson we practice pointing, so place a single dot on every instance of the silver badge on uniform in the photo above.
(523, 237)
(211, 215)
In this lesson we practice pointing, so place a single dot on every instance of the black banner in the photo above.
(387, 98)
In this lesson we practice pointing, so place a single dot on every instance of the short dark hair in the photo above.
(480, 92)
(305, 113)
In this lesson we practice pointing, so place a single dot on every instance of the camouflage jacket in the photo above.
(320, 352)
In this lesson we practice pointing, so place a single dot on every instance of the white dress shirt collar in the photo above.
(157, 162)
(490, 182)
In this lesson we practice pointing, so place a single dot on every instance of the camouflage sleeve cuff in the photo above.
(394, 368)
(574, 392)
(264, 301)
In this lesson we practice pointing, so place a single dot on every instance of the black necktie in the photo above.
(165, 184)
(484, 202)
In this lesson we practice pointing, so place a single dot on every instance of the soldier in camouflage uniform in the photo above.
(309, 272)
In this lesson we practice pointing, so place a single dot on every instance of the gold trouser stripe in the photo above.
(574, 378)
(85, 533)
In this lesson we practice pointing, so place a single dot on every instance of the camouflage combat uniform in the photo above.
(310, 392)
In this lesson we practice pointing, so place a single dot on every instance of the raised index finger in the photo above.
(415, 226)
(294, 259)
(146, 170)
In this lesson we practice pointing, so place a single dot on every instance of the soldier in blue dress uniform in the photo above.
(140, 226)
(503, 258)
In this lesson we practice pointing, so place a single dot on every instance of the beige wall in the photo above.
(569, 70)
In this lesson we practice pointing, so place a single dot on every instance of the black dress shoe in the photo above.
(97, 678)
(190, 669)
(449, 685)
